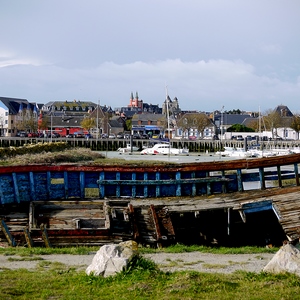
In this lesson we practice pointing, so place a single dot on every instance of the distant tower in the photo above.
(135, 102)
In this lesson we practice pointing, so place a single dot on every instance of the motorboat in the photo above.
(128, 148)
(235, 152)
(164, 149)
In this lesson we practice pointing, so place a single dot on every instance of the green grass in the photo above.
(141, 280)
(59, 282)
(21, 251)
(178, 248)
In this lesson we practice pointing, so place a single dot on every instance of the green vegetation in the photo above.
(143, 280)
(178, 248)
(33, 149)
(240, 128)
(58, 153)
(49, 155)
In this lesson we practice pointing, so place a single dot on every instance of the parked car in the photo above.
(22, 134)
(32, 134)
(112, 136)
(70, 135)
(54, 135)
(120, 135)
(192, 137)
(126, 136)
(88, 136)
(78, 135)
(136, 136)
(104, 136)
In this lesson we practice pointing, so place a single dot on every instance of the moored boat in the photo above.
(164, 149)
(128, 148)
(156, 204)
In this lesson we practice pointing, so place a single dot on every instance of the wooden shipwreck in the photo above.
(241, 202)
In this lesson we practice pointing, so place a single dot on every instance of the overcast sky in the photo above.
(209, 53)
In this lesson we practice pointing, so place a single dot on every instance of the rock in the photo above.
(112, 259)
(287, 259)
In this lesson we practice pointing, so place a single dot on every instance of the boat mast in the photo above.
(168, 117)
(259, 123)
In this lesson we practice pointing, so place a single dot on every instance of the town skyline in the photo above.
(208, 54)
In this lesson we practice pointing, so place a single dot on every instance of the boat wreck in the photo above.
(230, 203)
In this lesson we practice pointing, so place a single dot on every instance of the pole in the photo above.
(168, 127)
(51, 125)
(221, 124)
(98, 120)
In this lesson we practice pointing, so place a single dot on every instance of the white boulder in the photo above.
(112, 259)
(287, 259)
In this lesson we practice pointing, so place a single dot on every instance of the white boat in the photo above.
(269, 152)
(164, 149)
(295, 150)
(234, 152)
(128, 148)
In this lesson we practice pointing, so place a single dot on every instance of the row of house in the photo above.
(66, 117)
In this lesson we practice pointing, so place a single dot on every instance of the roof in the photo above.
(283, 111)
(144, 117)
(115, 124)
(231, 119)
(13, 104)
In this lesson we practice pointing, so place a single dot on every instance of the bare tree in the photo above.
(1, 125)
(272, 120)
(295, 124)
(198, 121)
(27, 121)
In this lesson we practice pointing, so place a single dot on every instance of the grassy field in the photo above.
(142, 280)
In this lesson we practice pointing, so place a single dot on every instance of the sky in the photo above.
(236, 54)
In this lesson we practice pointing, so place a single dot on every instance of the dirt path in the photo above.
(202, 262)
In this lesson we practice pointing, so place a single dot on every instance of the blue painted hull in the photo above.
(66, 182)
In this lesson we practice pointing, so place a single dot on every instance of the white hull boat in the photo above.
(235, 152)
(164, 149)
(128, 148)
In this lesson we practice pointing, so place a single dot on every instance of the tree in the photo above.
(272, 120)
(295, 124)
(198, 121)
(27, 121)
(128, 125)
(234, 112)
(240, 128)
(1, 124)
(43, 122)
(254, 125)
(88, 123)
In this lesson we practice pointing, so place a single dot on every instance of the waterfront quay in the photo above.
(200, 146)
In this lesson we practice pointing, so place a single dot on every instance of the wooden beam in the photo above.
(279, 176)
(156, 224)
(136, 233)
(7, 234)
(28, 238)
(45, 236)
